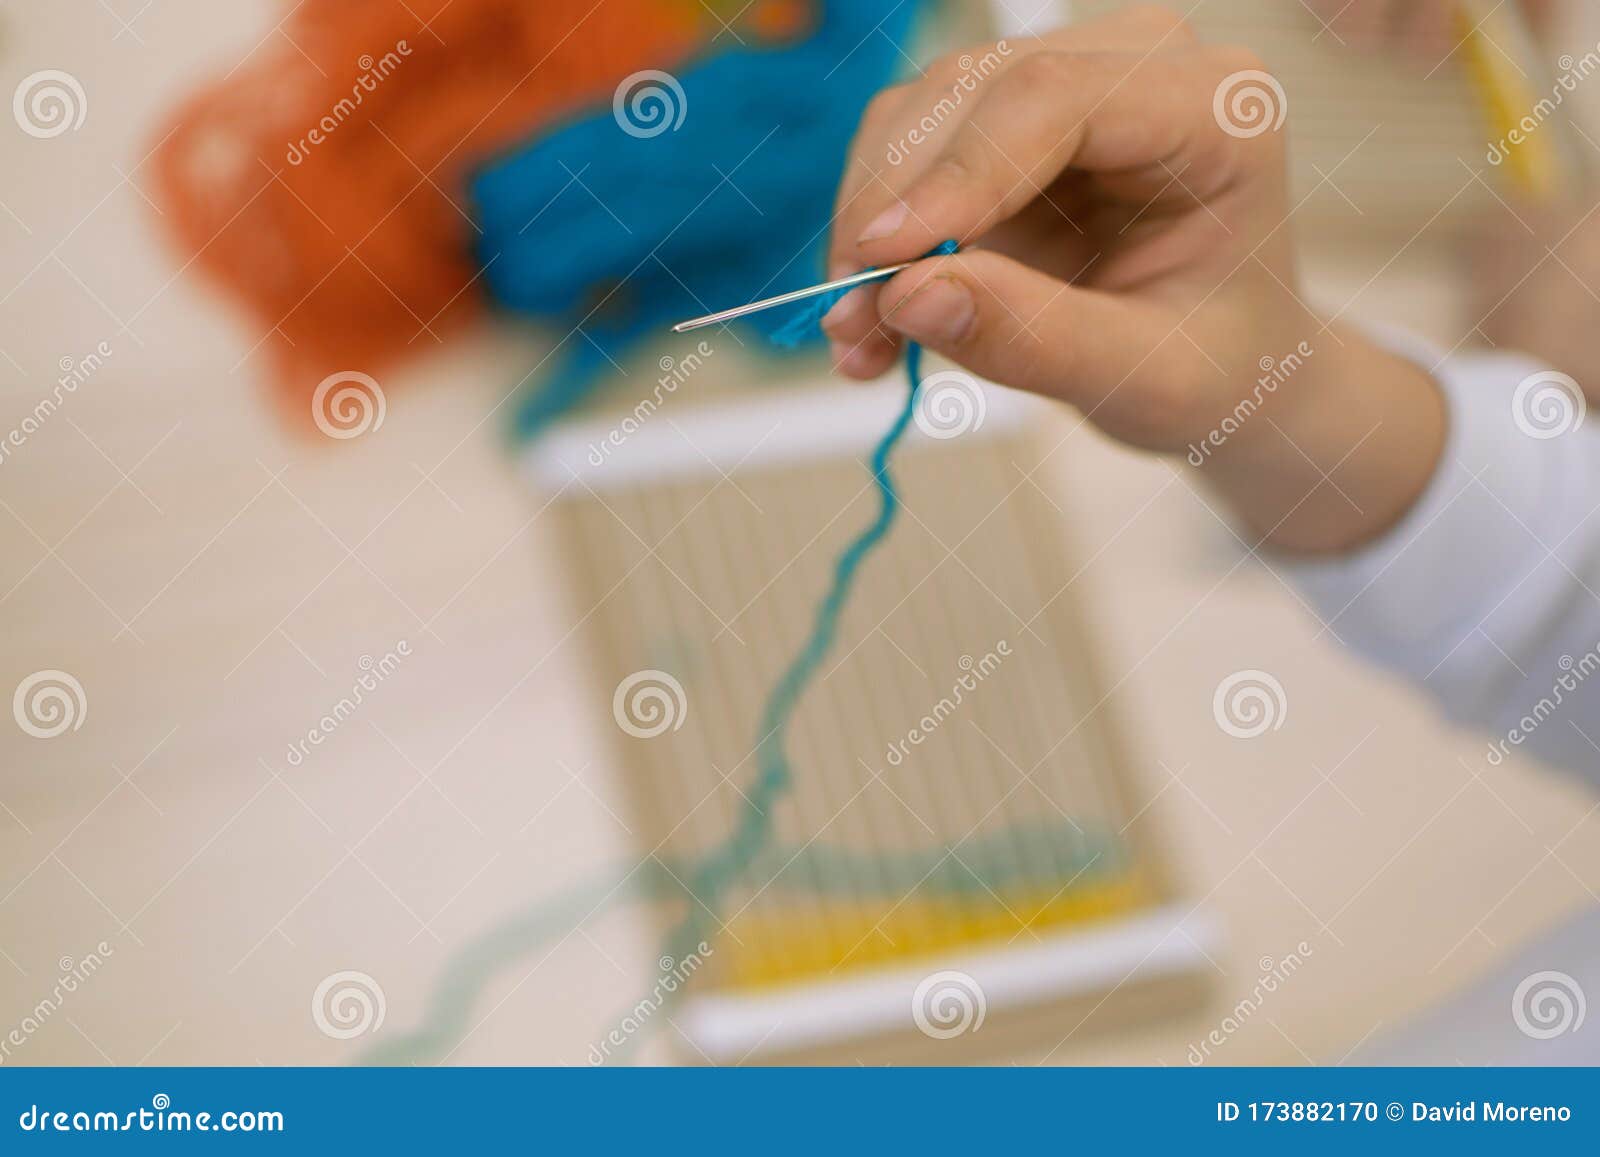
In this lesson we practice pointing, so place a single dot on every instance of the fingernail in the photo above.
(885, 224)
(940, 312)
(850, 360)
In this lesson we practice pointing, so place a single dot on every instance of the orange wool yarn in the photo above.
(321, 181)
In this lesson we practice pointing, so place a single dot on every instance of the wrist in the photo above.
(1333, 444)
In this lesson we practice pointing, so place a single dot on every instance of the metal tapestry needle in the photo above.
(854, 279)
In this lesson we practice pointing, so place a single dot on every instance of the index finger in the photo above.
(1134, 119)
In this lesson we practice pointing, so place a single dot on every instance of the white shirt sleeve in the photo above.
(1487, 595)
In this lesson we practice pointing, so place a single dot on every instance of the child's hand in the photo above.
(1120, 225)
(1136, 261)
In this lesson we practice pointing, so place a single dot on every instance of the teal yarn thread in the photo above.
(724, 866)
(727, 864)
(705, 882)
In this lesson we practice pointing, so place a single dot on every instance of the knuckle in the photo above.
(962, 167)
(946, 70)
(873, 131)
(880, 107)
(1052, 70)
(954, 67)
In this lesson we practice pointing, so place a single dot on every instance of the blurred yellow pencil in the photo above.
(1501, 59)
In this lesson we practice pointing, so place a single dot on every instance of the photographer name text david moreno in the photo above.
(1492, 1112)
(1421, 1112)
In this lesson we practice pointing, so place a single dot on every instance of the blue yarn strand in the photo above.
(727, 864)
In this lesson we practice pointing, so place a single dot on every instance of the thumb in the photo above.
(1122, 361)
